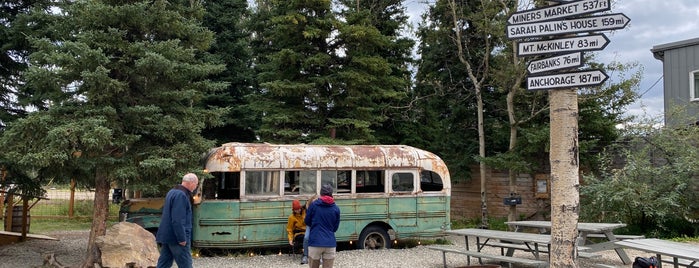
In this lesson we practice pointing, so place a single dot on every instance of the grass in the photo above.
(686, 239)
(46, 219)
(47, 225)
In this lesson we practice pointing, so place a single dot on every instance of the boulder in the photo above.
(128, 243)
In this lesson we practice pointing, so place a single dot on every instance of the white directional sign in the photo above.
(561, 45)
(556, 63)
(567, 80)
(587, 24)
(569, 9)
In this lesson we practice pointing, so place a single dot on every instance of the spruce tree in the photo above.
(120, 90)
(14, 51)
(228, 20)
(374, 78)
(295, 79)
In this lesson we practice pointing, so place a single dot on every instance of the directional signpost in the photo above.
(552, 31)
(569, 44)
(572, 60)
(569, 9)
(567, 80)
(588, 24)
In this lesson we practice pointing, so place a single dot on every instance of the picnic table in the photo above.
(501, 239)
(586, 230)
(682, 254)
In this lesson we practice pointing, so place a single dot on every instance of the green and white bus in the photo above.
(385, 193)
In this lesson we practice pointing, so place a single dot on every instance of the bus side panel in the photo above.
(355, 214)
(433, 215)
(402, 214)
(263, 223)
(216, 224)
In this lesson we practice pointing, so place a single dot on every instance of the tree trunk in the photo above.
(99, 220)
(512, 174)
(459, 23)
(565, 192)
(481, 152)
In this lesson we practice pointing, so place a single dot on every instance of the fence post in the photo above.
(72, 198)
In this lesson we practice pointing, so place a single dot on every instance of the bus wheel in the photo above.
(374, 237)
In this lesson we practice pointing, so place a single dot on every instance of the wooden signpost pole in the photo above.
(565, 195)
(552, 30)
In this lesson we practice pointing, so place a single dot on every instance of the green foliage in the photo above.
(229, 19)
(119, 96)
(330, 73)
(494, 223)
(47, 225)
(49, 216)
(654, 188)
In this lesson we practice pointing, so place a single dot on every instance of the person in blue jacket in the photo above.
(323, 218)
(175, 231)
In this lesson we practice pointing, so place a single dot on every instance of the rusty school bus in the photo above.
(384, 192)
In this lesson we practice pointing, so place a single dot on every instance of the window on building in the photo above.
(694, 85)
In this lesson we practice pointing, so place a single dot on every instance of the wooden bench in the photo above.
(588, 255)
(476, 254)
(518, 246)
(619, 237)
(601, 265)
(680, 262)
(502, 245)
(687, 254)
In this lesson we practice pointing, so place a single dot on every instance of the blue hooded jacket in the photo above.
(176, 221)
(323, 217)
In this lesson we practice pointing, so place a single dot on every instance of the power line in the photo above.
(651, 87)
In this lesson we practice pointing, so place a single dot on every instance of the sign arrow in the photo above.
(567, 80)
(566, 61)
(569, 9)
(570, 44)
(587, 24)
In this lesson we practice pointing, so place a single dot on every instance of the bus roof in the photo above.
(232, 157)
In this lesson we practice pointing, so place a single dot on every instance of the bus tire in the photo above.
(374, 237)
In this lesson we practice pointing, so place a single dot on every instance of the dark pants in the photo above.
(180, 254)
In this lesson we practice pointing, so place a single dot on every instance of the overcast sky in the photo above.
(653, 22)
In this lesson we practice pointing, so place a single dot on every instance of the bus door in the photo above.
(217, 217)
(402, 203)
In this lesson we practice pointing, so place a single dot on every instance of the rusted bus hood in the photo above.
(142, 206)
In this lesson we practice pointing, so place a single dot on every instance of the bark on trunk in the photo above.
(512, 213)
(459, 23)
(565, 194)
(99, 220)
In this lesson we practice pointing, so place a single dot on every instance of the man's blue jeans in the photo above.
(180, 254)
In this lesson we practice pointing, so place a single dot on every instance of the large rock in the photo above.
(127, 242)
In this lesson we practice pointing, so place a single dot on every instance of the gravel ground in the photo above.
(70, 249)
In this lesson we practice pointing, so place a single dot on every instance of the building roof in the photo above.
(659, 50)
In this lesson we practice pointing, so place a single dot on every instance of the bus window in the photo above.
(307, 181)
(370, 181)
(224, 185)
(344, 181)
(329, 177)
(262, 183)
(430, 181)
(402, 182)
(291, 182)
